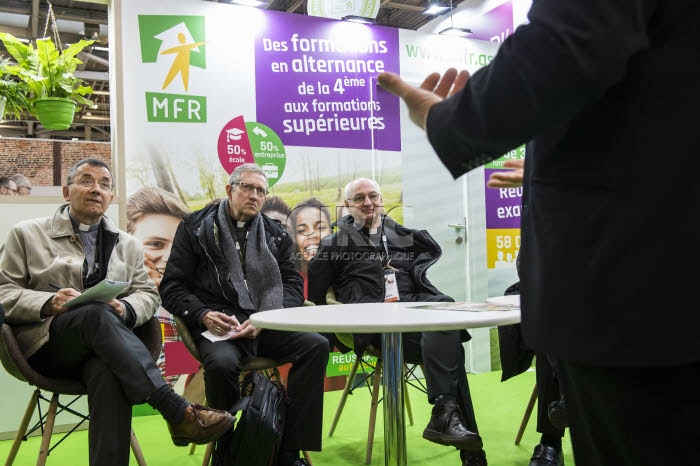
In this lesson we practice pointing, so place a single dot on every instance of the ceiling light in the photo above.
(253, 3)
(452, 31)
(359, 19)
(436, 9)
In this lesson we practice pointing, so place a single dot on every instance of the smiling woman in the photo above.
(310, 221)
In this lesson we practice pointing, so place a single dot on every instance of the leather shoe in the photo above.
(558, 414)
(544, 455)
(473, 458)
(447, 428)
(200, 425)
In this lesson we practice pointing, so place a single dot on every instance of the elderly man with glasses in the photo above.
(371, 258)
(43, 265)
(24, 186)
(227, 262)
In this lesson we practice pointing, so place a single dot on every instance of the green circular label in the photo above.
(268, 150)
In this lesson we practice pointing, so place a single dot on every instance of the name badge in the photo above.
(391, 287)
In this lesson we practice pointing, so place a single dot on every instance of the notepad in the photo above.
(103, 292)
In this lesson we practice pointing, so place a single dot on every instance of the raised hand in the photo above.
(434, 89)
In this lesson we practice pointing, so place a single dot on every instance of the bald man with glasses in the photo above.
(371, 259)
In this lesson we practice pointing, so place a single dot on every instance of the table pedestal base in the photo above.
(394, 425)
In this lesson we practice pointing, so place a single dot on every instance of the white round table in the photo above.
(389, 319)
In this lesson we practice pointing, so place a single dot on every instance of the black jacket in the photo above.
(194, 281)
(606, 91)
(346, 261)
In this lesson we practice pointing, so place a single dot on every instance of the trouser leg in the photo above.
(308, 353)
(222, 362)
(109, 430)
(632, 416)
(547, 392)
(94, 330)
(445, 374)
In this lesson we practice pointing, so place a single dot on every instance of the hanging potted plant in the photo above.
(48, 73)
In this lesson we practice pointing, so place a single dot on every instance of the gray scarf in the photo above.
(264, 290)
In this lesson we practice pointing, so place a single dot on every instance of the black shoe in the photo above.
(544, 455)
(558, 415)
(473, 458)
(286, 458)
(447, 428)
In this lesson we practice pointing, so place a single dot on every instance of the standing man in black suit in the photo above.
(595, 84)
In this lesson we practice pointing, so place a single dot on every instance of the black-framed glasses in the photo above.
(360, 198)
(249, 189)
(89, 183)
(28, 188)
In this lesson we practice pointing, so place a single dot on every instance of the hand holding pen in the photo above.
(63, 295)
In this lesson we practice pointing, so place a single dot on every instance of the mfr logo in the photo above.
(176, 40)
(174, 44)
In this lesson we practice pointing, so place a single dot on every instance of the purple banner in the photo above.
(502, 205)
(316, 82)
(494, 25)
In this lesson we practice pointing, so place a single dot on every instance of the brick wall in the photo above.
(35, 158)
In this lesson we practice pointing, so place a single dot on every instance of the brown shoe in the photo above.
(201, 425)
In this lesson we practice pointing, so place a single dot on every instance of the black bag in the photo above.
(257, 437)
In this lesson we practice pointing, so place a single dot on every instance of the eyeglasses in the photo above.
(28, 188)
(360, 198)
(249, 189)
(89, 183)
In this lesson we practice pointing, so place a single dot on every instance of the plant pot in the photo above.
(55, 112)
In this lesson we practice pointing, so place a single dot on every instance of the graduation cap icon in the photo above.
(233, 134)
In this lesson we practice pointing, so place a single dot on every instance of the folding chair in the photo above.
(17, 365)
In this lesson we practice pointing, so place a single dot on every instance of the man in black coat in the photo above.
(227, 262)
(372, 259)
(605, 91)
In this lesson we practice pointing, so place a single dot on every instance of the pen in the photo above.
(53, 285)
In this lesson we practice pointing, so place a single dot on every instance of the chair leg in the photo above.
(136, 448)
(526, 415)
(207, 454)
(193, 447)
(31, 406)
(344, 396)
(48, 430)
(307, 457)
(373, 410)
(406, 399)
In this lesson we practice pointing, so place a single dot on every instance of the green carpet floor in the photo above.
(499, 409)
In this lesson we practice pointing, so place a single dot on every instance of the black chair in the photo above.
(16, 364)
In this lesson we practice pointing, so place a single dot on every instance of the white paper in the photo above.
(103, 292)
(211, 337)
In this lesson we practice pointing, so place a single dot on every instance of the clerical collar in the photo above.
(77, 226)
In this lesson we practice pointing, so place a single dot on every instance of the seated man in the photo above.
(78, 247)
(227, 262)
(371, 258)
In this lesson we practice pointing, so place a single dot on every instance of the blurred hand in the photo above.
(247, 330)
(508, 179)
(434, 89)
(117, 306)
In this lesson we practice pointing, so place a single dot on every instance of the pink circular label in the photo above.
(234, 145)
